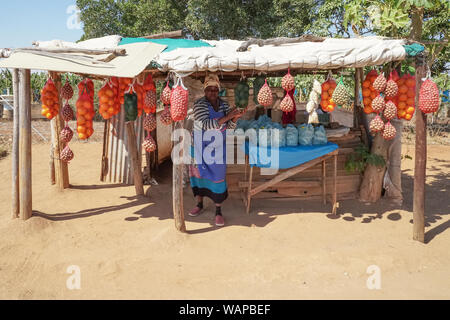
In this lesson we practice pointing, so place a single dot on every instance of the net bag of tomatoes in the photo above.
(85, 109)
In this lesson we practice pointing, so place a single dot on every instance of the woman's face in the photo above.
(212, 93)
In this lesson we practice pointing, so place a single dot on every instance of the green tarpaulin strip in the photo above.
(413, 49)
(171, 44)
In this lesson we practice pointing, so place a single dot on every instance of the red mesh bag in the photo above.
(179, 101)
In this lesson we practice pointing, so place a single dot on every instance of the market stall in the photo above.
(241, 67)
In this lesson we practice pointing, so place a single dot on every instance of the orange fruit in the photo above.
(87, 104)
(325, 95)
(401, 113)
(366, 84)
(410, 110)
(402, 105)
(81, 120)
(368, 109)
(81, 111)
(373, 95)
(89, 132)
(103, 99)
(323, 104)
(410, 82)
(408, 116)
(402, 97)
(401, 82)
(366, 93)
(81, 129)
(403, 89)
(410, 101)
(325, 86)
(410, 93)
(82, 136)
(88, 116)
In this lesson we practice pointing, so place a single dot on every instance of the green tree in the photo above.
(393, 18)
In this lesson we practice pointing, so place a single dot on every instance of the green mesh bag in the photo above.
(130, 104)
(241, 94)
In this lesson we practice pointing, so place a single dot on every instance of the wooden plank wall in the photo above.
(307, 183)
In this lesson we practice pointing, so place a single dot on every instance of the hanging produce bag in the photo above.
(130, 104)
(179, 101)
(50, 100)
(340, 94)
(85, 109)
(241, 94)
(257, 85)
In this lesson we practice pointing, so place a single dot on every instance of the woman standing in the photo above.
(208, 179)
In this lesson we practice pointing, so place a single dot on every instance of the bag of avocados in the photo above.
(241, 94)
(130, 104)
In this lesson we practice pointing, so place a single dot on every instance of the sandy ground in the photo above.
(127, 247)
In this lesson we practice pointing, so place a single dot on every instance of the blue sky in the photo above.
(23, 21)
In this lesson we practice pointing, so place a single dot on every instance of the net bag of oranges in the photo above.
(85, 109)
(50, 100)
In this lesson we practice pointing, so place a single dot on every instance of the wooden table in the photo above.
(248, 192)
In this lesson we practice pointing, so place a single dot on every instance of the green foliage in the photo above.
(358, 160)
(5, 81)
(393, 18)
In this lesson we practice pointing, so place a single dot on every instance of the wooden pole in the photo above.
(357, 115)
(421, 137)
(15, 147)
(135, 161)
(324, 182)
(25, 144)
(52, 154)
(177, 187)
(61, 168)
(420, 163)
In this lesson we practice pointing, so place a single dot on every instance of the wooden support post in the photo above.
(324, 182)
(25, 144)
(420, 162)
(357, 114)
(61, 168)
(104, 165)
(177, 185)
(249, 194)
(335, 203)
(15, 147)
(421, 135)
(135, 161)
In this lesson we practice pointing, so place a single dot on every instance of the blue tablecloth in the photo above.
(285, 157)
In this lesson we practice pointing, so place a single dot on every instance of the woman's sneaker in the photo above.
(195, 212)
(220, 222)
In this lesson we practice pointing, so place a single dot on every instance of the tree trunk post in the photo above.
(421, 137)
(61, 168)
(420, 161)
(177, 184)
(357, 116)
(134, 157)
(25, 144)
(15, 147)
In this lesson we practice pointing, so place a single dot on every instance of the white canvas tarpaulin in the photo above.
(329, 54)
(138, 56)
